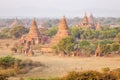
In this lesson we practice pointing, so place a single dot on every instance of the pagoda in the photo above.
(33, 33)
(98, 27)
(85, 19)
(91, 21)
(33, 37)
(98, 51)
(14, 23)
(63, 31)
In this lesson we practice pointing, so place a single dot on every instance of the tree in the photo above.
(67, 44)
(117, 38)
(75, 32)
(18, 31)
(52, 31)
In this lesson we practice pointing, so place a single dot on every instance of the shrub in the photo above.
(7, 61)
(105, 70)
(116, 72)
(3, 77)
(89, 75)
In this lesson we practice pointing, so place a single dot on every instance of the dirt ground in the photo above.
(56, 66)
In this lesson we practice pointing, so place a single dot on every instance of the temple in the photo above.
(89, 23)
(14, 23)
(98, 51)
(63, 31)
(32, 38)
(98, 27)
(33, 35)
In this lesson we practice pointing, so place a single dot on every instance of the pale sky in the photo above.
(58, 8)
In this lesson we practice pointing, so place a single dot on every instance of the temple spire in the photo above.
(91, 19)
(33, 32)
(63, 24)
(63, 31)
(98, 50)
(98, 27)
(85, 19)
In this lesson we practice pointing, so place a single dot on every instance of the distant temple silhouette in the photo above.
(89, 23)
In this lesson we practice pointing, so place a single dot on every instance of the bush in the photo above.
(7, 61)
(89, 75)
(3, 77)
(105, 70)
(116, 72)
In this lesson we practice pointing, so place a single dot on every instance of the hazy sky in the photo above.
(58, 8)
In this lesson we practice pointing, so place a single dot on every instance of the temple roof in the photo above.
(63, 24)
(33, 32)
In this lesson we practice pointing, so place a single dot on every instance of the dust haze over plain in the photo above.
(58, 8)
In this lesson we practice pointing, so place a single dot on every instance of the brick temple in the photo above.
(63, 31)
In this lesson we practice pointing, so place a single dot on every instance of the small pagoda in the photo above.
(98, 27)
(98, 51)
(14, 23)
(33, 37)
(91, 21)
(63, 31)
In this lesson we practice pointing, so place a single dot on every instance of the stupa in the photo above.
(98, 27)
(33, 36)
(63, 31)
(85, 19)
(98, 51)
(91, 21)
(14, 23)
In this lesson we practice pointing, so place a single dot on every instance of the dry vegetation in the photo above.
(56, 66)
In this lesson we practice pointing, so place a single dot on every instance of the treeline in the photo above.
(14, 32)
(48, 22)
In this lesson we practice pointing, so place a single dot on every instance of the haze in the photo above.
(58, 8)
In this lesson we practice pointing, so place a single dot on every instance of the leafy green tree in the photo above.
(52, 31)
(18, 31)
(67, 44)
(75, 32)
(117, 38)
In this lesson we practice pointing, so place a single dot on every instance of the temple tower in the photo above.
(14, 23)
(98, 51)
(91, 19)
(98, 27)
(63, 31)
(85, 19)
(33, 36)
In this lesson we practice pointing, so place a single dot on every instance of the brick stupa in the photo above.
(85, 19)
(14, 23)
(98, 27)
(91, 21)
(34, 34)
(63, 31)
(98, 51)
